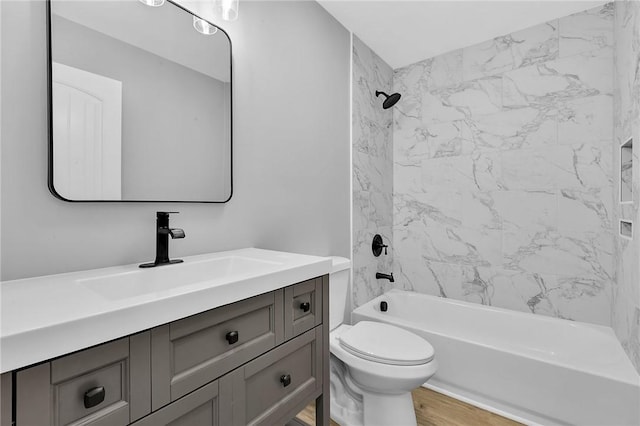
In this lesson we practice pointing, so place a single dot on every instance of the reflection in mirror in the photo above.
(140, 103)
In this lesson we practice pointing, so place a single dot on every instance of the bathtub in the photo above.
(530, 368)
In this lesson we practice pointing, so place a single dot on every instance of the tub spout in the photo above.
(385, 276)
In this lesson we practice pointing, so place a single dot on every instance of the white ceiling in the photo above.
(405, 32)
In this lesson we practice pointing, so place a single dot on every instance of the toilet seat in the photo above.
(378, 377)
(385, 344)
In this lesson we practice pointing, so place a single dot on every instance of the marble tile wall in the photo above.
(626, 294)
(372, 171)
(502, 170)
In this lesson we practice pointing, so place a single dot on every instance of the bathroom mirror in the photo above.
(139, 103)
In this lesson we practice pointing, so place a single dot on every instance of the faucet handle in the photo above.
(377, 245)
(176, 233)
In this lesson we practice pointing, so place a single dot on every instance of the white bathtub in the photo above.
(534, 369)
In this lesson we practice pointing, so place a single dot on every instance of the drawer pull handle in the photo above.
(232, 337)
(93, 397)
(305, 306)
(285, 379)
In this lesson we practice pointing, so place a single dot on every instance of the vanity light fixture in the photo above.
(152, 3)
(203, 26)
(226, 9)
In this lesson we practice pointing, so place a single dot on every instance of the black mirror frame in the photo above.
(50, 120)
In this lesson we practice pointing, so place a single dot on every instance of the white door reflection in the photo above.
(87, 134)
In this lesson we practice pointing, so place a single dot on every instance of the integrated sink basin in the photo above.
(174, 277)
(49, 316)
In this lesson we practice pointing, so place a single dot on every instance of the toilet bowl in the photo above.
(374, 366)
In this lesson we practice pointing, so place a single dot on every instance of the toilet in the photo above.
(374, 366)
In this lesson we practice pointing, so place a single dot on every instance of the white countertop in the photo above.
(45, 317)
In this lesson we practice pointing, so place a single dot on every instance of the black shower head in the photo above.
(391, 99)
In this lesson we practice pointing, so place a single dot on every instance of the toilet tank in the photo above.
(339, 290)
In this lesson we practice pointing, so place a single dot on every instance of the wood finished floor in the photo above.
(435, 409)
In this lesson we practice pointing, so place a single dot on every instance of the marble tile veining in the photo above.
(586, 120)
(478, 171)
(372, 171)
(535, 44)
(585, 211)
(515, 128)
(521, 48)
(564, 79)
(482, 96)
(433, 73)
(588, 30)
(503, 176)
(528, 210)
(488, 58)
(625, 305)
(559, 252)
(577, 166)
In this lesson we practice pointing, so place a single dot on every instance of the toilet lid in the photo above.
(386, 344)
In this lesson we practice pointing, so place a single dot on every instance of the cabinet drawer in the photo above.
(302, 307)
(104, 390)
(189, 353)
(266, 388)
(208, 406)
(90, 387)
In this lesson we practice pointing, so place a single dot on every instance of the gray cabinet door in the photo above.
(302, 307)
(91, 387)
(274, 387)
(6, 392)
(191, 352)
(208, 406)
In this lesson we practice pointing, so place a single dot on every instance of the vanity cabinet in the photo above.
(256, 361)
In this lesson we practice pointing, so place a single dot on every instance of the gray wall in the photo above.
(291, 152)
(174, 131)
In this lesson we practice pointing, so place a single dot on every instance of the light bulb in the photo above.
(152, 3)
(227, 9)
(203, 26)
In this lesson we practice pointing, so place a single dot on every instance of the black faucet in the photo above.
(162, 240)
(385, 276)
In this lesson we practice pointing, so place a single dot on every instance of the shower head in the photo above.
(390, 99)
